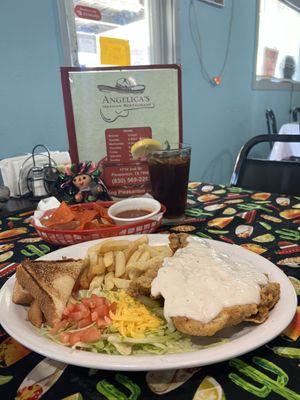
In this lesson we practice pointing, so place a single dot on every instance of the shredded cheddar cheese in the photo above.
(131, 318)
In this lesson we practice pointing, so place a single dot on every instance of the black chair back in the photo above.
(295, 114)
(271, 121)
(282, 177)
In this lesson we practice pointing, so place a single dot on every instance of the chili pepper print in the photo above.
(226, 239)
(234, 189)
(289, 352)
(203, 235)
(5, 379)
(7, 269)
(217, 232)
(269, 385)
(248, 216)
(231, 196)
(250, 207)
(288, 248)
(109, 391)
(265, 225)
(289, 234)
(195, 212)
(33, 250)
(274, 207)
(135, 390)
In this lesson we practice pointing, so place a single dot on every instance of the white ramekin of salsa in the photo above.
(133, 210)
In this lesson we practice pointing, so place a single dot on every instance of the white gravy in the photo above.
(198, 282)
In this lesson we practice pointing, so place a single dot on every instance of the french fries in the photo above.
(113, 263)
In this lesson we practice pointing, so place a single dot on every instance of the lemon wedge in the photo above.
(142, 147)
(209, 389)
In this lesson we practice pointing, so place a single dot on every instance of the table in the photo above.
(280, 150)
(253, 220)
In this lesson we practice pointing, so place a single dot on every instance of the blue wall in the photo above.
(216, 120)
(31, 105)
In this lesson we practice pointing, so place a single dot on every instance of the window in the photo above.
(278, 45)
(118, 32)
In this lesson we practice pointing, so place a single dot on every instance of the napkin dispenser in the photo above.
(15, 171)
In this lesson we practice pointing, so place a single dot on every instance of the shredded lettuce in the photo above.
(163, 340)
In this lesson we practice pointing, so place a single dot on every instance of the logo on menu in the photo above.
(119, 100)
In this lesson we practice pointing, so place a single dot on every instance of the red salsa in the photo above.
(133, 213)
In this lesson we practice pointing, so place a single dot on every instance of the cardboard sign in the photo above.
(109, 109)
(114, 51)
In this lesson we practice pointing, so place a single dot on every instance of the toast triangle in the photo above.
(50, 283)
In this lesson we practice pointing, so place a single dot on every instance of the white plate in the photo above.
(243, 338)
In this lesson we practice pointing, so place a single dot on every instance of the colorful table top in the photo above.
(265, 223)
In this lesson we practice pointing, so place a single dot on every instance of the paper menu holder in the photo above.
(108, 109)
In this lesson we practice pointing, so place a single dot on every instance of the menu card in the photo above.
(109, 109)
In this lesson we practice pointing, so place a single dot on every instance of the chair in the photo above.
(271, 124)
(267, 175)
(294, 114)
(271, 121)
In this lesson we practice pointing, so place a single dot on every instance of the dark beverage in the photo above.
(169, 176)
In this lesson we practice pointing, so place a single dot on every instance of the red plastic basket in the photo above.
(69, 237)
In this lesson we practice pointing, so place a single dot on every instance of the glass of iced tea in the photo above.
(169, 176)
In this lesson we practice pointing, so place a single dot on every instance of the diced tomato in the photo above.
(82, 307)
(63, 324)
(102, 311)
(94, 316)
(75, 337)
(113, 307)
(70, 308)
(77, 316)
(99, 301)
(101, 323)
(84, 322)
(86, 301)
(90, 335)
(64, 337)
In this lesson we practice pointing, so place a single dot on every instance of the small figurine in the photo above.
(82, 183)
